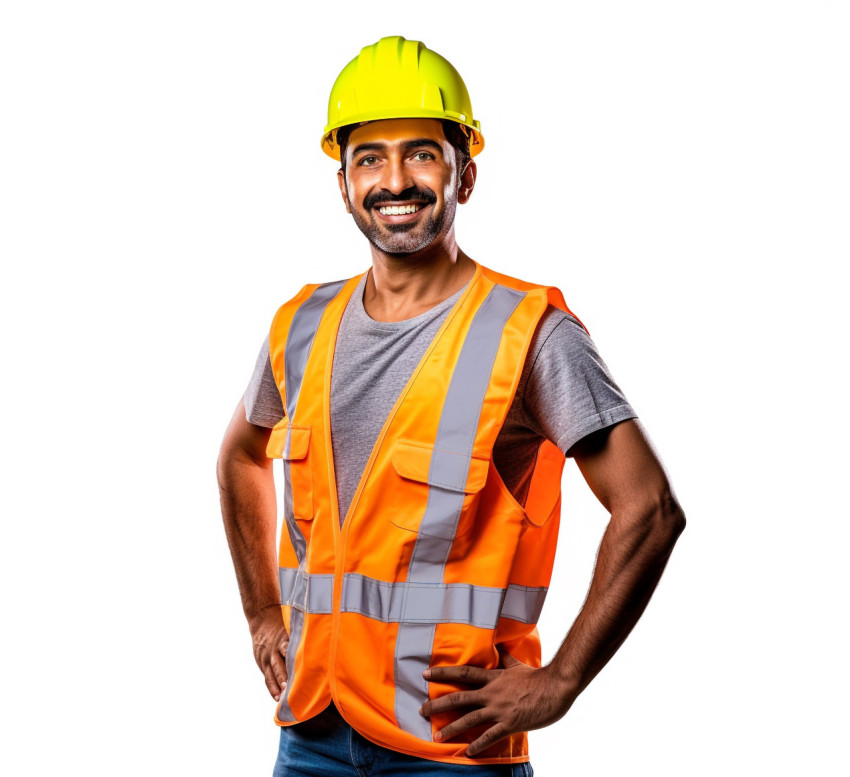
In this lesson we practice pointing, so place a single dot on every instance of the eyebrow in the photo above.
(417, 143)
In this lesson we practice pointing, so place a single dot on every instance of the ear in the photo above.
(343, 189)
(467, 182)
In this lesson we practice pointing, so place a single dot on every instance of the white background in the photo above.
(680, 170)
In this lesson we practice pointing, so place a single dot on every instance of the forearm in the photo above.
(249, 510)
(632, 556)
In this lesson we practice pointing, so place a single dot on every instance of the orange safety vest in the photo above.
(435, 563)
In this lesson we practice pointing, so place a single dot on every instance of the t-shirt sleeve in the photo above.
(263, 405)
(568, 391)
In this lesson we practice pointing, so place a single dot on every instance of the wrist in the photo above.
(262, 613)
(566, 679)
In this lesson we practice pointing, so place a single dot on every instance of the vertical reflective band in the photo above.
(406, 602)
(456, 433)
(296, 614)
(299, 341)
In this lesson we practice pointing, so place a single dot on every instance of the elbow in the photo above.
(220, 469)
(657, 521)
(668, 518)
(225, 464)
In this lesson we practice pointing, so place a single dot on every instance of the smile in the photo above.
(398, 210)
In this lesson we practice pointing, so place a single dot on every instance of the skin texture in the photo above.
(249, 510)
(416, 263)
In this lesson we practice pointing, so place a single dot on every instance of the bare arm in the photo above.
(646, 520)
(249, 510)
(626, 476)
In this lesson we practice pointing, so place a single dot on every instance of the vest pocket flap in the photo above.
(288, 442)
(446, 469)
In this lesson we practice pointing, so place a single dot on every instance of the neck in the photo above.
(401, 287)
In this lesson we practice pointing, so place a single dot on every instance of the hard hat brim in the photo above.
(331, 148)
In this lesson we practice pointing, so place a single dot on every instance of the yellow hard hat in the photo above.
(398, 79)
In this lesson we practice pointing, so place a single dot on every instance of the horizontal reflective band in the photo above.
(422, 602)
(310, 593)
(523, 604)
(407, 602)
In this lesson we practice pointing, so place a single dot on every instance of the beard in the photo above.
(409, 238)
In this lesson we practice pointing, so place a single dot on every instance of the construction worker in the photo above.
(423, 410)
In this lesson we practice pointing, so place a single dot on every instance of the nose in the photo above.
(396, 177)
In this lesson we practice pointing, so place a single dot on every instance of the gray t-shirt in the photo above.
(565, 391)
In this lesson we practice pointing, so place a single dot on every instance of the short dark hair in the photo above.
(455, 133)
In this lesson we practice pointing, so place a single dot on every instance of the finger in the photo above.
(271, 682)
(470, 720)
(278, 665)
(489, 737)
(451, 701)
(474, 675)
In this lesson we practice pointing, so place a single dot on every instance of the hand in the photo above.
(515, 698)
(268, 633)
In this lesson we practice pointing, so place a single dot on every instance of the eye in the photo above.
(367, 161)
(423, 156)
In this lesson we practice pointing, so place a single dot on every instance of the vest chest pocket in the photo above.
(446, 478)
(292, 444)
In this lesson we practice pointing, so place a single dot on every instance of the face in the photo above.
(401, 183)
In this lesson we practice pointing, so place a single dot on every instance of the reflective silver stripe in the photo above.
(299, 341)
(312, 593)
(299, 544)
(472, 605)
(286, 577)
(523, 604)
(296, 616)
(296, 622)
(456, 432)
(413, 647)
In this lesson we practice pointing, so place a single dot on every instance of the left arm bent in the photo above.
(625, 474)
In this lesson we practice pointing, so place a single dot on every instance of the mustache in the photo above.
(424, 195)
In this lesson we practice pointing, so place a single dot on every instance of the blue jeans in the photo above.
(326, 746)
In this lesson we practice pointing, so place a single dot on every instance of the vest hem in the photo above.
(427, 756)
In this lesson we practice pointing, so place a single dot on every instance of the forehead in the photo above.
(397, 131)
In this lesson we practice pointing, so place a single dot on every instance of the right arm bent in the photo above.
(249, 510)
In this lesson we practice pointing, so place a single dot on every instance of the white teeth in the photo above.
(398, 210)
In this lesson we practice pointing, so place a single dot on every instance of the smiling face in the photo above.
(401, 183)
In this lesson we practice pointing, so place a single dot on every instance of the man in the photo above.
(423, 410)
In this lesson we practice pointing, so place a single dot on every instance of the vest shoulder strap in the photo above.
(556, 298)
(308, 305)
